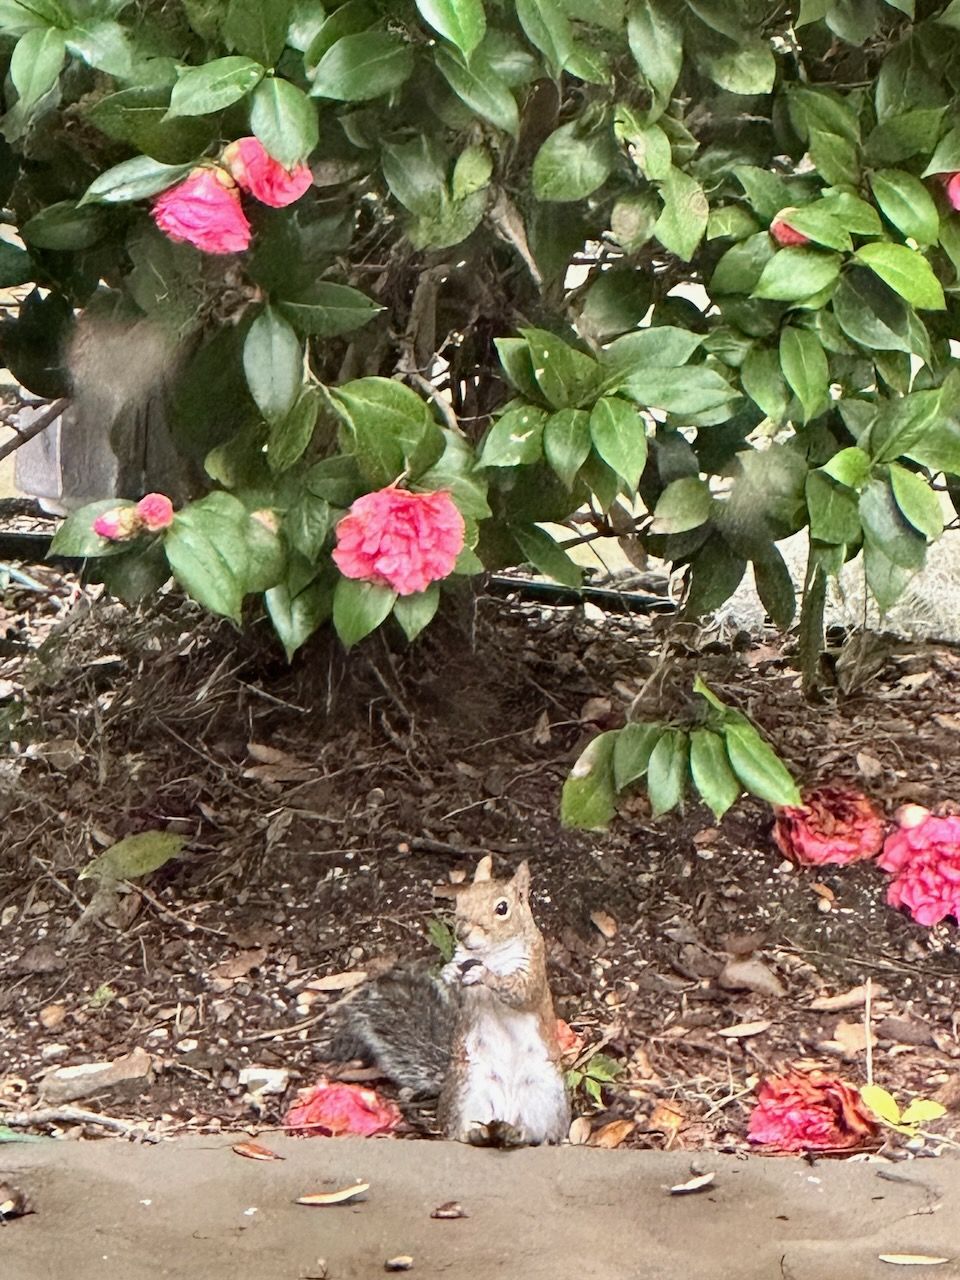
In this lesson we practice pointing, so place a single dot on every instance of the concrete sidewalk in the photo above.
(109, 1210)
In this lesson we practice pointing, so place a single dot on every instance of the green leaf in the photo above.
(794, 274)
(761, 379)
(870, 313)
(818, 224)
(138, 116)
(36, 63)
(359, 608)
(767, 193)
(564, 375)
(284, 119)
(886, 529)
(64, 226)
(850, 467)
(290, 435)
(76, 537)
(103, 45)
(516, 438)
(684, 504)
(748, 68)
(615, 302)
(135, 179)
(472, 172)
(682, 224)
(833, 511)
(946, 158)
(656, 42)
(775, 587)
(711, 772)
(619, 435)
(648, 145)
(417, 611)
(918, 503)
(886, 579)
(416, 174)
(546, 556)
(835, 157)
(273, 364)
(910, 423)
(133, 857)
(566, 443)
(16, 266)
(632, 751)
(360, 67)
(663, 345)
(588, 800)
(547, 27)
(907, 203)
(922, 1111)
(257, 29)
(667, 771)
(392, 429)
(687, 391)
(758, 767)
(740, 268)
(297, 611)
(906, 271)
(478, 86)
(881, 1103)
(805, 367)
(208, 552)
(202, 90)
(462, 22)
(715, 573)
(571, 166)
(327, 310)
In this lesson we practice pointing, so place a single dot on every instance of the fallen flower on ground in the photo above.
(833, 825)
(809, 1111)
(923, 856)
(330, 1110)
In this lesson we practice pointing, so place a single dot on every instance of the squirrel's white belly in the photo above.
(509, 1076)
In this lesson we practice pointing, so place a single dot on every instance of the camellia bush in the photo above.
(349, 231)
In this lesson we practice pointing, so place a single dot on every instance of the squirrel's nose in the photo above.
(469, 935)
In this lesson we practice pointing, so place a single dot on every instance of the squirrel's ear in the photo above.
(484, 869)
(521, 881)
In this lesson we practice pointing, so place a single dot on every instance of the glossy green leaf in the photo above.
(285, 120)
(462, 22)
(135, 179)
(546, 556)
(711, 772)
(214, 86)
(805, 368)
(571, 166)
(918, 503)
(566, 442)
(326, 310)
(516, 438)
(907, 203)
(360, 67)
(906, 271)
(758, 767)
(667, 771)
(359, 608)
(683, 222)
(273, 364)
(257, 28)
(588, 800)
(480, 88)
(632, 751)
(36, 64)
(684, 504)
(794, 274)
(619, 435)
(417, 611)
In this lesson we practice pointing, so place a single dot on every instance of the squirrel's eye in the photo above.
(502, 907)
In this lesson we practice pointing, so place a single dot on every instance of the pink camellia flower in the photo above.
(834, 824)
(118, 525)
(923, 856)
(156, 511)
(401, 539)
(329, 1110)
(256, 171)
(204, 210)
(783, 233)
(809, 1111)
(951, 187)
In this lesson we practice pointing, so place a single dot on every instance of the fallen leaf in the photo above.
(743, 1029)
(612, 1135)
(279, 773)
(850, 1038)
(869, 766)
(254, 1151)
(855, 998)
(452, 1209)
(912, 1259)
(239, 966)
(51, 1015)
(750, 975)
(693, 1184)
(605, 923)
(667, 1118)
(337, 981)
(541, 733)
(823, 891)
(13, 1203)
(580, 1131)
(402, 1262)
(570, 1043)
(335, 1197)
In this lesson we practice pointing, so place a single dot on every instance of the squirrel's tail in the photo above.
(404, 1022)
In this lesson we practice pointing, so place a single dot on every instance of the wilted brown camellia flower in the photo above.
(832, 825)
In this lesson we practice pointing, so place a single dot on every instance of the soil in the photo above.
(321, 803)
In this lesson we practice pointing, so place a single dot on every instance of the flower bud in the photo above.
(785, 235)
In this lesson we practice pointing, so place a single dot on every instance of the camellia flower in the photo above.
(204, 210)
(785, 235)
(923, 856)
(256, 171)
(834, 824)
(400, 539)
(951, 187)
(809, 1111)
(118, 525)
(329, 1110)
(156, 511)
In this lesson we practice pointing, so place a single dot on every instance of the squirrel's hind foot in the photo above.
(498, 1133)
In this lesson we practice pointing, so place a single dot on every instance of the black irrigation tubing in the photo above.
(32, 548)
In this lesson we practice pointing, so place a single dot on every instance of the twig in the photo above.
(868, 1025)
(22, 578)
(22, 435)
(280, 1033)
(73, 1115)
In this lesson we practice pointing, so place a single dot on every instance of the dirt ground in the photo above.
(321, 804)
(110, 1211)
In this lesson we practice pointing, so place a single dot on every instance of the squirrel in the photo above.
(483, 1035)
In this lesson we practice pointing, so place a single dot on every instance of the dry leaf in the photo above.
(869, 766)
(279, 773)
(912, 1259)
(239, 966)
(402, 1262)
(823, 891)
(51, 1015)
(667, 1118)
(580, 1131)
(605, 923)
(850, 1039)
(693, 1184)
(743, 1029)
(335, 1197)
(855, 998)
(541, 733)
(337, 981)
(612, 1135)
(452, 1209)
(254, 1151)
(750, 975)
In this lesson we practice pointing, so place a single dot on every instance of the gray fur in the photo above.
(404, 1022)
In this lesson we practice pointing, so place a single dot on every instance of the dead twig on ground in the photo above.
(74, 1115)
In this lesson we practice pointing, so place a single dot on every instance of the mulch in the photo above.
(321, 803)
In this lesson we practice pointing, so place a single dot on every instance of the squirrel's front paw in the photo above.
(471, 972)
